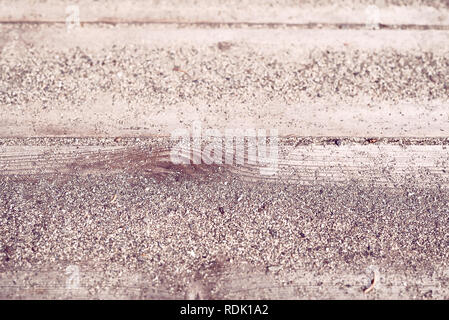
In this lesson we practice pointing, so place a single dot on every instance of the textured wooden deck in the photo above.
(359, 94)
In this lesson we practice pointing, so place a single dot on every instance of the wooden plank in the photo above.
(131, 225)
(152, 80)
(386, 165)
(414, 13)
(237, 283)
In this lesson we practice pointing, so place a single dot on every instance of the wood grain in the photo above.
(382, 164)
(236, 12)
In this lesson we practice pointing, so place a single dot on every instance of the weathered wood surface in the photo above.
(433, 13)
(151, 80)
(334, 212)
(375, 164)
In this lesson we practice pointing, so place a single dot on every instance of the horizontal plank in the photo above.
(116, 220)
(377, 163)
(151, 80)
(434, 13)
(233, 283)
